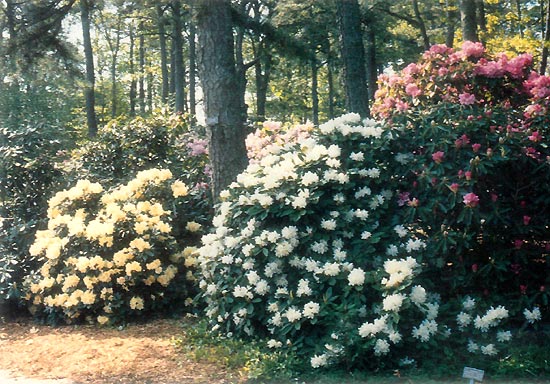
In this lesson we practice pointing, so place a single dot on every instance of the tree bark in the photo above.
(372, 68)
(421, 25)
(450, 33)
(141, 81)
(353, 56)
(192, 70)
(314, 91)
(468, 20)
(179, 73)
(546, 41)
(163, 54)
(89, 90)
(224, 114)
(133, 83)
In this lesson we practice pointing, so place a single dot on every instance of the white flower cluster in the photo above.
(295, 236)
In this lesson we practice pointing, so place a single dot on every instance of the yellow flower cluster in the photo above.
(92, 260)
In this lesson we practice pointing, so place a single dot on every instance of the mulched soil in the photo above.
(85, 354)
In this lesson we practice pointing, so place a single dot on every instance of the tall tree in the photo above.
(353, 56)
(224, 115)
(89, 90)
(178, 69)
(161, 21)
(546, 39)
(468, 19)
(192, 70)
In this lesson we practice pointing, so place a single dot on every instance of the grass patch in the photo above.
(527, 361)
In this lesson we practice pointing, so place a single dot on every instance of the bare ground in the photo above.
(136, 354)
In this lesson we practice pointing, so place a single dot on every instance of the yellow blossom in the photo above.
(149, 281)
(153, 264)
(163, 227)
(88, 298)
(102, 320)
(140, 227)
(179, 189)
(193, 226)
(140, 244)
(134, 266)
(136, 303)
(71, 281)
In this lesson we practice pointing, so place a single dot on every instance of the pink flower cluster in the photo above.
(263, 141)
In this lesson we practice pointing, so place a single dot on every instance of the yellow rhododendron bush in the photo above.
(110, 255)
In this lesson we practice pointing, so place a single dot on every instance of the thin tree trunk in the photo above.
(239, 63)
(114, 48)
(224, 115)
(480, 13)
(520, 18)
(353, 55)
(468, 20)
(89, 90)
(179, 73)
(372, 68)
(421, 25)
(192, 70)
(133, 83)
(141, 69)
(150, 91)
(330, 81)
(163, 54)
(546, 41)
(451, 26)
(315, 91)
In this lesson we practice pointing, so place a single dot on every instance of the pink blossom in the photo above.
(526, 219)
(403, 198)
(476, 147)
(466, 98)
(475, 267)
(523, 289)
(438, 156)
(471, 200)
(198, 147)
(471, 49)
(518, 243)
(491, 69)
(413, 90)
(411, 69)
(535, 136)
(518, 65)
(413, 203)
(454, 187)
(468, 175)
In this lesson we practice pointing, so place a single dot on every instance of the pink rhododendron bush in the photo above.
(474, 170)
(109, 255)
(310, 253)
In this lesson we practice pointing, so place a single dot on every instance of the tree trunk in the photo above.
(353, 56)
(314, 91)
(163, 54)
(468, 20)
(421, 25)
(133, 83)
(372, 68)
(520, 18)
(450, 33)
(141, 69)
(480, 13)
(330, 81)
(546, 41)
(192, 70)
(179, 73)
(224, 114)
(114, 48)
(89, 90)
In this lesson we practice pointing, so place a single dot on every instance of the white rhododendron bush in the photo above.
(306, 254)
(108, 255)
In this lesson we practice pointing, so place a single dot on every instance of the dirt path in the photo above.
(137, 354)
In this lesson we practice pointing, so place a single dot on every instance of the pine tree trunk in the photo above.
(314, 91)
(468, 20)
(421, 25)
(133, 83)
(224, 114)
(353, 56)
(141, 80)
(89, 90)
(450, 33)
(179, 73)
(163, 54)
(192, 70)
(545, 42)
(372, 68)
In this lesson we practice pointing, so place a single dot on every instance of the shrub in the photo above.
(28, 174)
(309, 252)
(473, 161)
(109, 255)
